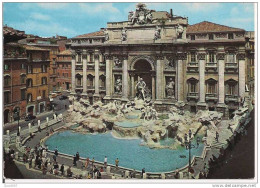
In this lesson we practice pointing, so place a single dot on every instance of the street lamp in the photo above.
(189, 146)
(18, 118)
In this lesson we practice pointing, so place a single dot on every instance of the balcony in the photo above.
(90, 88)
(211, 97)
(102, 88)
(231, 67)
(193, 67)
(79, 87)
(211, 67)
(231, 98)
(79, 67)
(192, 96)
(91, 66)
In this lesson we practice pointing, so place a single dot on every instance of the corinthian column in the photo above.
(221, 85)
(73, 74)
(109, 59)
(125, 77)
(242, 74)
(96, 75)
(201, 58)
(180, 87)
(159, 77)
(84, 56)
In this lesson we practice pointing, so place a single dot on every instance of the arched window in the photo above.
(7, 81)
(29, 97)
(211, 86)
(29, 82)
(23, 78)
(44, 80)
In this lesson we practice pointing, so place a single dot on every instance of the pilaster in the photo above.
(73, 74)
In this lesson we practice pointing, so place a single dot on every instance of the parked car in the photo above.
(63, 97)
(29, 117)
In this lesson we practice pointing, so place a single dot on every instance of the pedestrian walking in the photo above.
(56, 151)
(143, 171)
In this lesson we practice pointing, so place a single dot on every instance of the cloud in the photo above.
(201, 7)
(49, 29)
(248, 7)
(39, 16)
(99, 8)
(53, 6)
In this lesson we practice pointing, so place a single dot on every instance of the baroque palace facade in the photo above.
(202, 65)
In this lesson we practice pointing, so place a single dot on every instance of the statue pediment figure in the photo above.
(141, 16)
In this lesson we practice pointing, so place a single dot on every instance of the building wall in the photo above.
(38, 88)
(15, 71)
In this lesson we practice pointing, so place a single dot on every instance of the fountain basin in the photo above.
(127, 124)
(129, 151)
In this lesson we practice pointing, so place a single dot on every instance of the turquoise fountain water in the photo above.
(129, 152)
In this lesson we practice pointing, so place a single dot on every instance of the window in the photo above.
(23, 77)
(29, 97)
(193, 56)
(6, 67)
(44, 80)
(29, 83)
(30, 69)
(211, 86)
(211, 37)
(193, 87)
(53, 79)
(22, 66)
(44, 68)
(23, 94)
(7, 97)
(211, 57)
(43, 94)
(230, 36)
(192, 37)
(7, 81)
(230, 58)
(79, 57)
(90, 41)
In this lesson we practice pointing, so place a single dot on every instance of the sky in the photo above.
(72, 19)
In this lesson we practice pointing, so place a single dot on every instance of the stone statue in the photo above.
(141, 16)
(118, 63)
(140, 87)
(106, 35)
(170, 64)
(124, 35)
(170, 88)
(179, 31)
(118, 86)
(157, 34)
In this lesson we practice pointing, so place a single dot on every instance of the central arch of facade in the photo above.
(142, 67)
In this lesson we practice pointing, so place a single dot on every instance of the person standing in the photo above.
(143, 171)
(93, 161)
(56, 151)
(87, 163)
(77, 156)
(74, 161)
(105, 162)
(116, 162)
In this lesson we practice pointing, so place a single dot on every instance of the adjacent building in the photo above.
(64, 71)
(203, 66)
(38, 63)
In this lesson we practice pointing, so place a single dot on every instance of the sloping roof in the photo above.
(11, 31)
(93, 34)
(65, 52)
(27, 47)
(206, 26)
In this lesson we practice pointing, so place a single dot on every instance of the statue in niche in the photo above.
(118, 63)
(106, 35)
(170, 64)
(157, 34)
(170, 88)
(118, 86)
(124, 35)
(141, 89)
(179, 31)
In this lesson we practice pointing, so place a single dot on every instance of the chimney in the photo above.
(171, 12)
